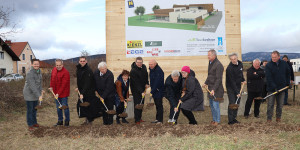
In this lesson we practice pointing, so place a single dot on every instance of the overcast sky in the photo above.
(63, 28)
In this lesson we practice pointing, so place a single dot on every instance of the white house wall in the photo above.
(7, 62)
(188, 14)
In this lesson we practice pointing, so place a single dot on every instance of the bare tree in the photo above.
(7, 26)
(84, 53)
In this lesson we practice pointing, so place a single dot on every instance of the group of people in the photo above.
(181, 88)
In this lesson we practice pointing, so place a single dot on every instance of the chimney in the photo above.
(8, 42)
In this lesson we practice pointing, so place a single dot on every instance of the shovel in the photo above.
(236, 105)
(111, 112)
(40, 100)
(216, 99)
(84, 104)
(124, 114)
(260, 98)
(141, 105)
(150, 100)
(173, 120)
(60, 106)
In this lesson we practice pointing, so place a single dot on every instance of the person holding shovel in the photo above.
(255, 83)
(106, 89)
(60, 86)
(214, 84)
(234, 80)
(173, 85)
(157, 89)
(86, 88)
(33, 92)
(138, 85)
(192, 99)
(122, 95)
(278, 76)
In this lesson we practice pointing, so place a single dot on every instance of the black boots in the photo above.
(67, 123)
(59, 123)
(123, 120)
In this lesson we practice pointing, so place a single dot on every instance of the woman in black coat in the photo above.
(192, 99)
(86, 87)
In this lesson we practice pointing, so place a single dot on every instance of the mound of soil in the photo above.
(152, 130)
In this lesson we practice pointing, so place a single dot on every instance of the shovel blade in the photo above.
(219, 99)
(258, 98)
(233, 106)
(38, 107)
(85, 104)
(139, 106)
(63, 107)
(111, 112)
(123, 115)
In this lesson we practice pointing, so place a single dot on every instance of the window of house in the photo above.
(23, 56)
(1, 55)
(30, 57)
(2, 72)
(23, 70)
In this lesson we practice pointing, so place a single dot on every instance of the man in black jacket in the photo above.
(105, 87)
(286, 59)
(157, 88)
(278, 76)
(86, 87)
(255, 83)
(234, 79)
(173, 87)
(138, 84)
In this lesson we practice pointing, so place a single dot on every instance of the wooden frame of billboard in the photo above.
(116, 43)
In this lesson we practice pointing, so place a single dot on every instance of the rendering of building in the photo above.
(25, 54)
(7, 59)
(192, 14)
(296, 64)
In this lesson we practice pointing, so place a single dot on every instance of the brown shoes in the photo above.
(214, 123)
(278, 120)
(269, 121)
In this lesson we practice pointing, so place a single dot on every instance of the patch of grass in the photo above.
(136, 21)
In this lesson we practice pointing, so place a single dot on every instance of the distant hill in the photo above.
(76, 59)
(266, 56)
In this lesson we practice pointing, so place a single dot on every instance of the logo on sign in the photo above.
(135, 52)
(135, 44)
(153, 43)
(171, 51)
(130, 4)
(220, 41)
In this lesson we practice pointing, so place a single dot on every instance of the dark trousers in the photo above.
(31, 112)
(107, 118)
(232, 113)
(137, 97)
(189, 115)
(173, 104)
(120, 108)
(279, 104)
(251, 96)
(286, 96)
(159, 109)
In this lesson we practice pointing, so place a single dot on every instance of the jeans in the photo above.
(63, 101)
(215, 110)
(286, 96)
(279, 104)
(31, 112)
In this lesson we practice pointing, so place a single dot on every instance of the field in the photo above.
(136, 21)
(251, 133)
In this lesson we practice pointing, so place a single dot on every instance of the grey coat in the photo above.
(193, 98)
(214, 78)
(33, 85)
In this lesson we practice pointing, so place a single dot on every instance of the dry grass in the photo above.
(14, 133)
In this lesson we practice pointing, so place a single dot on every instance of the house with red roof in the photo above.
(25, 54)
(7, 59)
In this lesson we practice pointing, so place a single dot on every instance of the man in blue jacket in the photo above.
(278, 76)
(157, 88)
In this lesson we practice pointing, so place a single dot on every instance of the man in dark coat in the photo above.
(234, 79)
(105, 87)
(214, 83)
(278, 76)
(286, 59)
(173, 86)
(157, 88)
(192, 99)
(86, 87)
(255, 83)
(138, 84)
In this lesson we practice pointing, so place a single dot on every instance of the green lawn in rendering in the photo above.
(136, 21)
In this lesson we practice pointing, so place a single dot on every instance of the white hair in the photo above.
(175, 73)
(256, 60)
(102, 64)
(233, 54)
(212, 51)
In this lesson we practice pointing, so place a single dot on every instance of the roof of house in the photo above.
(45, 65)
(18, 47)
(9, 50)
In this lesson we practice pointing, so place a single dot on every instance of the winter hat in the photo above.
(186, 69)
